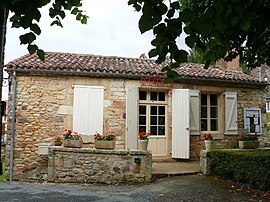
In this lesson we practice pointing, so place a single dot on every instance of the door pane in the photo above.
(142, 95)
(153, 96)
(142, 109)
(142, 129)
(213, 99)
(161, 120)
(142, 120)
(203, 112)
(203, 99)
(161, 110)
(214, 112)
(161, 130)
(153, 130)
(203, 124)
(153, 110)
(153, 120)
(214, 125)
(161, 96)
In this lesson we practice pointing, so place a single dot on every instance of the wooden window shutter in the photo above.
(88, 109)
(180, 123)
(131, 117)
(194, 112)
(231, 113)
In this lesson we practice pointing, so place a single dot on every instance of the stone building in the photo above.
(89, 93)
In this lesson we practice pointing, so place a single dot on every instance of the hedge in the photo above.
(250, 167)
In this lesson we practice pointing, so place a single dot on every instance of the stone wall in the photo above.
(246, 98)
(44, 107)
(85, 165)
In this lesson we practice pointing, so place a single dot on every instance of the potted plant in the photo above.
(208, 141)
(143, 139)
(58, 140)
(248, 141)
(72, 139)
(106, 140)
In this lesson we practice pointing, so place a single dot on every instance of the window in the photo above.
(209, 112)
(152, 112)
(267, 106)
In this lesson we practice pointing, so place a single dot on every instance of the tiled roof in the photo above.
(87, 63)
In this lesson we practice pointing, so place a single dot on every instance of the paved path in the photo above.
(178, 188)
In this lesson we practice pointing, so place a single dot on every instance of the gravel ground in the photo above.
(178, 188)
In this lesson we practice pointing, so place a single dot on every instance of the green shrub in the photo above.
(2, 177)
(250, 167)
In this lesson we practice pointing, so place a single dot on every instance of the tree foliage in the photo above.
(219, 28)
(25, 14)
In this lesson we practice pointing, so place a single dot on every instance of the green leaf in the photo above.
(35, 28)
(27, 38)
(84, 20)
(15, 24)
(245, 25)
(186, 15)
(74, 11)
(163, 8)
(190, 40)
(152, 53)
(168, 80)
(219, 7)
(78, 17)
(181, 56)
(175, 5)
(170, 13)
(41, 54)
(145, 23)
(137, 7)
(62, 14)
(219, 22)
(32, 49)
(159, 28)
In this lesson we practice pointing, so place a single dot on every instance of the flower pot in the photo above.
(73, 143)
(142, 145)
(248, 144)
(209, 144)
(101, 144)
(57, 143)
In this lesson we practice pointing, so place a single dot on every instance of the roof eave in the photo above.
(198, 80)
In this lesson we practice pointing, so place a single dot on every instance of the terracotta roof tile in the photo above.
(120, 65)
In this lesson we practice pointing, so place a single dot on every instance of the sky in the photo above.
(112, 30)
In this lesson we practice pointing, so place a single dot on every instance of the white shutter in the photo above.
(231, 113)
(88, 109)
(194, 112)
(131, 117)
(180, 123)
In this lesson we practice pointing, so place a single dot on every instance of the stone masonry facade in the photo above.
(44, 107)
(87, 165)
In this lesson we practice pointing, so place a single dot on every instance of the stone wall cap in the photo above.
(97, 151)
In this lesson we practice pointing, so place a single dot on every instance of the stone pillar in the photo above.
(205, 163)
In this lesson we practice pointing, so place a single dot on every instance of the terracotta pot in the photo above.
(209, 145)
(142, 145)
(73, 143)
(248, 144)
(57, 143)
(101, 144)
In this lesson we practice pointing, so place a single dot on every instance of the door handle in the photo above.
(187, 128)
